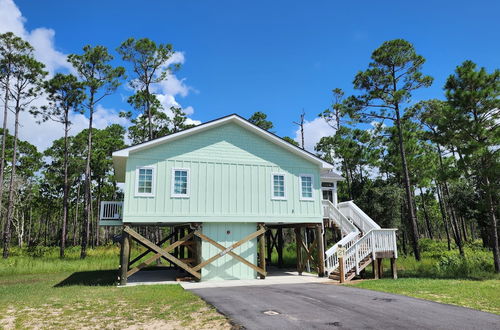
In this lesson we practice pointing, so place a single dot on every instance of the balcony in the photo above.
(111, 214)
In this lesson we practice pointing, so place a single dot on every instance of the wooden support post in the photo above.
(262, 260)
(124, 257)
(280, 247)
(341, 270)
(380, 267)
(298, 243)
(321, 251)
(394, 269)
(375, 268)
(269, 246)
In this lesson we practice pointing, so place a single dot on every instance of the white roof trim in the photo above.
(124, 153)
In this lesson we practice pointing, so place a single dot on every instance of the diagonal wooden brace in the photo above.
(309, 250)
(229, 250)
(144, 241)
(140, 256)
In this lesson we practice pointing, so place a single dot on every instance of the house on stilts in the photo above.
(228, 190)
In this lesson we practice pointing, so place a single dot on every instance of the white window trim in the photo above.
(172, 183)
(302, 198)
(153, 183)
(284, 186)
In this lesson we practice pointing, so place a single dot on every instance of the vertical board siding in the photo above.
(230, 177)
(227, 267)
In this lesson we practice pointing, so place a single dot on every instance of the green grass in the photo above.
(482, 295)
(444, 276)
(46, 292)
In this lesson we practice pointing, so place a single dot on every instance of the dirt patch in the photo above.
(76, 317)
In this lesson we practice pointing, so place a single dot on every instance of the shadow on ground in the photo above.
(90, 278)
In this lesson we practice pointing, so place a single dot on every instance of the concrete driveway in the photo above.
(327, 306)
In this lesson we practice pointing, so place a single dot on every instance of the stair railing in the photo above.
(357, 216)
(376, 240)
(347, 228)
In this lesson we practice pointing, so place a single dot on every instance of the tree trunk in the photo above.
(406, 179)
(65, 187)
(426, 215)
(443, 215)
(454, 224)
(10, 209)
(4, 140)
(150, 115)
(464, 228)
(493, 224)
(88, 198)
(75, 221)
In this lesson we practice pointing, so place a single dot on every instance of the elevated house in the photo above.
(228, 189)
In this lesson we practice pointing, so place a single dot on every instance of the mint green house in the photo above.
(223, 187)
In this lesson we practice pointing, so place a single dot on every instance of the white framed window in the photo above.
(145, 178)
(180, 182)
(278, 186)
(306, 187)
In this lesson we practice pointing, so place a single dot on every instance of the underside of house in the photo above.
(341, 247)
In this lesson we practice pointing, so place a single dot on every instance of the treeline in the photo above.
(428, 168)
(53, 198)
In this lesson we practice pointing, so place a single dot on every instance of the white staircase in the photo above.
(363, 239)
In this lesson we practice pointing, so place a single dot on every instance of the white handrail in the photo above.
(111, 211)
(357, 216)
(376, 240)
(349, 217)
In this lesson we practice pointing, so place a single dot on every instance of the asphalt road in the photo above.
(326, 306)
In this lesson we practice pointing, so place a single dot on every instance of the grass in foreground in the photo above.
(444, 276)
(480, 295)
(73, 301)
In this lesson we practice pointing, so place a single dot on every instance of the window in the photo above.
(278, 186)
(180, 182)
(145, 181)
(306, 187)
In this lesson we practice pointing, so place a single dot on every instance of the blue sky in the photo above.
(275, 56)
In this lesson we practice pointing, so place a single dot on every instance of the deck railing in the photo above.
(111, 211)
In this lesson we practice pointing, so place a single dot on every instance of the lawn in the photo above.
(482, 295)
(45, 292)
(445, 277)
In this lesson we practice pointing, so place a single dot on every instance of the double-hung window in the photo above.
(278, 186)
(145, 181)
(306, 187)
(180, 182)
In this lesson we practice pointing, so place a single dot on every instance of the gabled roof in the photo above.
(120, 156)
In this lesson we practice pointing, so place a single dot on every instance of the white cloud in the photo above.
(313, 131)
(42, 39)
(43, 134)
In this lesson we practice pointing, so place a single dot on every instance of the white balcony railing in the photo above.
(111, 211)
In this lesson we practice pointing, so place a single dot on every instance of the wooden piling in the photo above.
(341, 270)
(321, 251)
(262, 251)
(124, 257)
(375, 268)
(280, 247)
(380, 267)
(298, 243)
(394, 269)
(269, 246)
